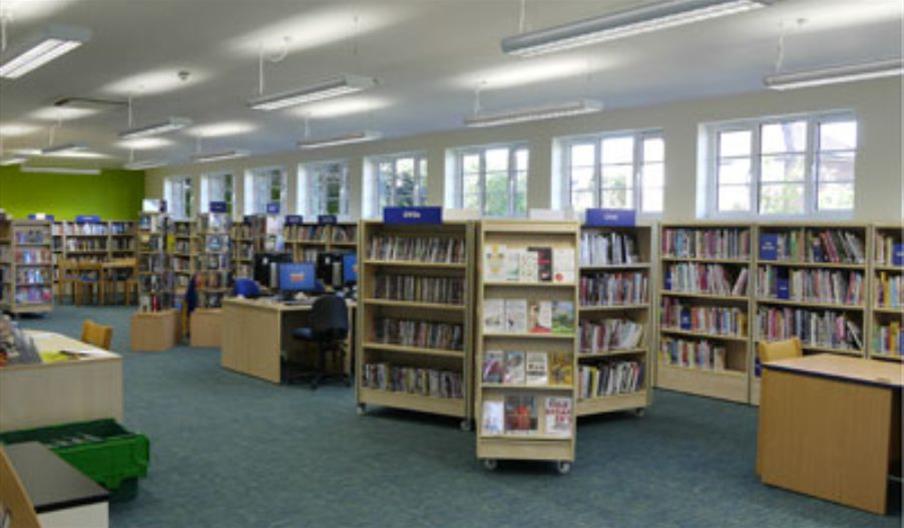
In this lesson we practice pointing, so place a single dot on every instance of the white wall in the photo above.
(877, 104)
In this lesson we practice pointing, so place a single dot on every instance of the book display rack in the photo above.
(182, 254)
(26, 266)
(886, 324)
(155, 280)
(305, 241)
(212, 251)
(247, 238)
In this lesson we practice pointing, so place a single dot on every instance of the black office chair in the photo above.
(328, 330)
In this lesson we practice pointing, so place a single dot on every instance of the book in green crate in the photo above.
(562, 317)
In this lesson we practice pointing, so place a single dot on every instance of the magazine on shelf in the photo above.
(540, 317)
(514, 368)
(563, 265)
(562, 317)
(494, 315)
(544, 263)
(559, 416)
(493, 418)
(493, 366)
(520, 414)
(516, 316)
(529, 266)
(537, 369)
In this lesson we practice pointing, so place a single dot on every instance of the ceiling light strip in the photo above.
(66, 147)
(537, 113)
(144, 164)
(835, 74)
(334, 87)
(347, 139)
(13, 160)
(42, 48)
(59, 170)
(172, 124)
(219, 156)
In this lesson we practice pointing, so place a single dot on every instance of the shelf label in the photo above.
(36, 216)
(897, 255)
(217, 207)
(326, 219)
(273, 208)
(768, 246)
(610, 217)
(87, 219)
(413, 215)
(294, 220)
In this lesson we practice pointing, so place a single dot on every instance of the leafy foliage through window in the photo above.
(401, 181)
(493, 180)
(323, 188)
(263, 186)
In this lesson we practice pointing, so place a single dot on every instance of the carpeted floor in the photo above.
(232, 451)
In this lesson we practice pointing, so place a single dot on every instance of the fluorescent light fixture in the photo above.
(347, 139)
(12, 160)
(59, 170)
(144, 164)
(171, 124)
(66, 147)
(835, 74)
(90, 103)
(42, 48)
(334, 87)
(536, 113)
(219, 156)
(625, 23)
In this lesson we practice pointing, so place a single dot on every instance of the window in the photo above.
(492, 180)
(179, 196)
(401, 180)
(323, 188)
(264, 186)
(216, 188)
(616, 171)
(785, 166)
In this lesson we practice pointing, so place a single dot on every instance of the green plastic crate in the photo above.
(102, 449)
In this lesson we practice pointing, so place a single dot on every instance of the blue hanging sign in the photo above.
(37, 216)
(326, 219)
(87, 219)
(273, 208)
(294, 220)
(611, 217)
(413, 215)
(217, 207)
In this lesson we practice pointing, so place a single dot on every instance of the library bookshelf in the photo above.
(413, 279)
(155, 279)
(305, 241)
(212, 252)
(703, 327)
(886, 320)
(807, 274)
(246, 241)
(614, 316)
(26, 266)
(526, 320)
(92, 240)
(182, 254)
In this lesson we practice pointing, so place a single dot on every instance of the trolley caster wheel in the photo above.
(465, 425)
(640, 412)
(362, 409)
(563, 467)
(490, 464)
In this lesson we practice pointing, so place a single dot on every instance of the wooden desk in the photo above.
(830, 426)
(257, 331)
(43, 394)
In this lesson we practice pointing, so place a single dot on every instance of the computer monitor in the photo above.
(297, 277)
(350, 268)
(265, 272)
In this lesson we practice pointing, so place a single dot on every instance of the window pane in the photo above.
(786, 168)
(470, 163)
(621, 176)
(521, 160)
(736, 143)
(835, 167)
(497, 159)
(784, 137)
(652, 175)
(471, 191)
(618, 150)
(652, 199)
(582, 155)
(734, 198)
(653, 149)
(496, 194)
(835, 196)
(734, 171)
(581, 200)
(582, 179)
(781, 198)
(404, 191)
(422, 190)
(838, 135)
(520, 207)
(618, 199)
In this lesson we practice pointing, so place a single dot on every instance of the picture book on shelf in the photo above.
(540, 317)
(562, 317)
(493, 315)
(559, 416)
(514, 367)
(516, 316)
(561, 371)
(544, 263)
(520, 414)
(537, 368)
(493, 366)
(493, 418)
(528, 265)
(513, 266)
(563, 265)
(494, 262)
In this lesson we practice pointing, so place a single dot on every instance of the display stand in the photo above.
(886, 325)
(155, 325)
(414, 336)
(26, 266)
(527, 341)
(305, 241)
(212, 250)
(183, 256)
(247, 238)
(614, 359)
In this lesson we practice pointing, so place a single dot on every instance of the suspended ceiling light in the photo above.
(42, 48)
(171, 124)
(626, 23)
(12, 160)
(535, 113)
(59, 170)
(835, 74)
(347, 139)
(219, 156)
(66, 147)
(89, 103)
(144, 164)
(334, 87)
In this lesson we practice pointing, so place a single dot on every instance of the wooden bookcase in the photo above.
(155, 280)
(378, 351)
(246, 241)
(98, 241)
(26, 266)
(600, 263)
(182, 254)
(503, 409)
(122, 239)
(796, 260)
(305, 241)
(728, 379)
(212, 251)
(884, 312)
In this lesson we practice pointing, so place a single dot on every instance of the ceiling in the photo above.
(429, 56)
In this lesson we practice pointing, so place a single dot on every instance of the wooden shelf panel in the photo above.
(693, 295)
(805, 264)
(616, 267)
(808, 304)
(415, 263)
(416, 304)
(613, 403)
(520, 284)
(526, 388)
(612, 307)
(612, 353)
(726, 385)
(413, 350)
(402, 400)
(527, 335)
(694, 333)
(744, 261)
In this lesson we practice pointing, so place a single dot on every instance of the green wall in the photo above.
(113, 194)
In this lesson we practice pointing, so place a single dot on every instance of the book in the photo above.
(494, 262)
(768, 246)
(540, 317)
(514, 368)
(492, 419)
(559, 416)
(493, 366)
(516, 316)
(544, 263)
(528, 266)
(562, 317)
(493, 315)
(537, 368)
(561, 371)
(520, 414)
(513, 265)
(563, 265)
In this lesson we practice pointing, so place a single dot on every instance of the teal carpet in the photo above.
(232, 451)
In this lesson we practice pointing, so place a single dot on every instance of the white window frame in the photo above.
(481, 151)
(205, 191)
(638, 162)
(252, 174)
(811, 162)
(182, 185)
(307, 202)
(420, 180)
